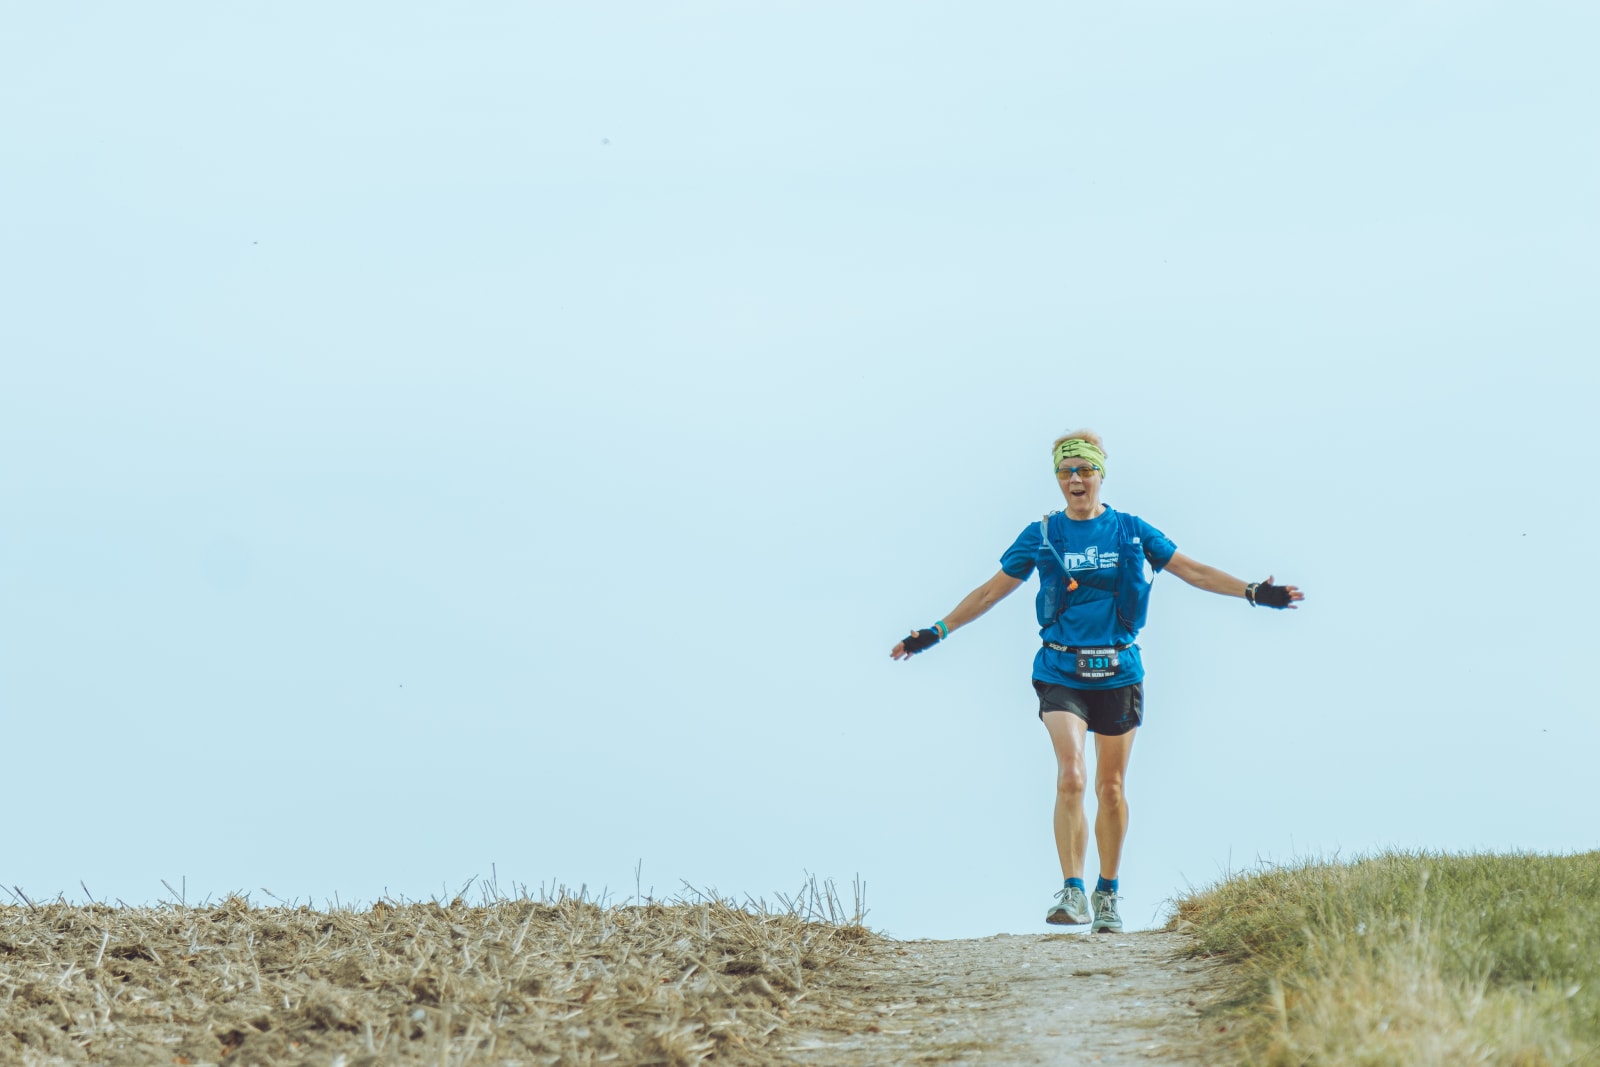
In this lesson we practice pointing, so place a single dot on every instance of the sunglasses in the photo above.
(1081, 472)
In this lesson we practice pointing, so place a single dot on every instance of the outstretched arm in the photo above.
(1202, 576)
(972, 605)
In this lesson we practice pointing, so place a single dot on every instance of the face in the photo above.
(1079, 481)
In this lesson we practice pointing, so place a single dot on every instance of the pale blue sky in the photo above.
(438, 436)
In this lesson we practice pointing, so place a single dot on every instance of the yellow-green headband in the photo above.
(1076, 449)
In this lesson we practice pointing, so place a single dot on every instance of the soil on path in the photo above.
(1059, 998)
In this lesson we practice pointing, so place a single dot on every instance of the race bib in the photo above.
(1094, 664)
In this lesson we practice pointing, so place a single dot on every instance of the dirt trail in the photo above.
(1059, 998)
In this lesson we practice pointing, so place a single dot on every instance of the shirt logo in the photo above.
(1090, 559)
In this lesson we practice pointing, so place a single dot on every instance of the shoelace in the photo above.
(1080, 905)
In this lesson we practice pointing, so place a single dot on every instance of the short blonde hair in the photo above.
(1079, 435)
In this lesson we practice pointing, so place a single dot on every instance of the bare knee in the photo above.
(1071, 781)
(1108, 791)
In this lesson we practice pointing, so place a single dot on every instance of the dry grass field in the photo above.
(508, 981)
(1397, 960)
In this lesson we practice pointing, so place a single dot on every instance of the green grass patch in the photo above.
(1405, 959)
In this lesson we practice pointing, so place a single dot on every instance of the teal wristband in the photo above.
(941, 629)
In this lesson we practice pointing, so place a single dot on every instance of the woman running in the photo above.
(1093, 595)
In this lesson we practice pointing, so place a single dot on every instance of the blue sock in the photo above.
(1105, 885)
(1072, 883)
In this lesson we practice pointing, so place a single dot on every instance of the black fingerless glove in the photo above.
(918, 640)
(1266, 595)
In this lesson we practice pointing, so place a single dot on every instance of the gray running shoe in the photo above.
(1106, 919)
(1070, 909)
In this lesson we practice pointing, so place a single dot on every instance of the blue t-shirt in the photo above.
(1091, 549)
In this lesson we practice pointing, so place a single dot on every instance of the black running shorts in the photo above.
(1108, 712)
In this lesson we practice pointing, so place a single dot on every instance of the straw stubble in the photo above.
(536, 982)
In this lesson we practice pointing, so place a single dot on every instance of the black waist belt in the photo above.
(1075, 651)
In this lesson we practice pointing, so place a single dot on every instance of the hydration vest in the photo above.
(1133, 585)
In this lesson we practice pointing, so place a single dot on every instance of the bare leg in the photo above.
(1067, 735)
(1111, 820)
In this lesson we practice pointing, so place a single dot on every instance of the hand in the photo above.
(914, 642)
(1265, 594)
